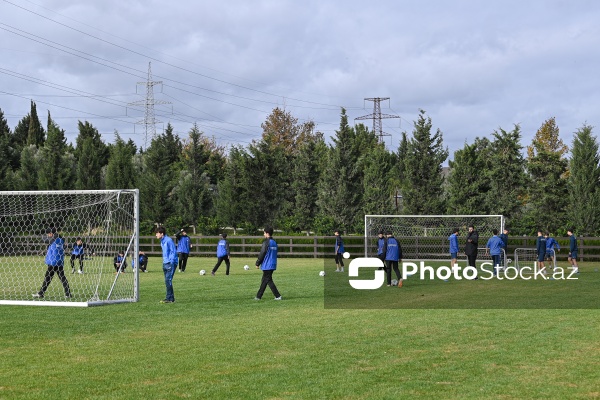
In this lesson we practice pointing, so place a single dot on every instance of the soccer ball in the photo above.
(322, 273)
(202, 272)
(394, 282)
(508, 260)
(246, 268)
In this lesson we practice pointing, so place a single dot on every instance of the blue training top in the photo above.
(183, 244)
(495, 244)
(453, 243)
(55, 256)
(393, 250)
(168, 250)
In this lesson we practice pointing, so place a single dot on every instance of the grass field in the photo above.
(217, 342)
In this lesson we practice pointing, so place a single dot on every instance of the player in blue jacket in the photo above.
(183, 248)
(552, 247)
(222, 254)
(540, 246)
(169, 255)
(381, 248)
(77, 253)
(339, 251)
(453, 247)
(494, 248)
(392, 256)
(573, 250)
(267, 262)
(55, 258)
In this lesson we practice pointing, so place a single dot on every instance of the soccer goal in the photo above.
(425, 237)
(46, 233)
(527, 257)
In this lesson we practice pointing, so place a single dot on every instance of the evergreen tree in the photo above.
(55, 173)
(35, 132)
(191, 194)
(378, 181)
(27, 176)
(584, 182)
(5, 153)
(469, 181)
(547, 167)
(120, 173)
(158, 176)
(92, 155)
(234, 195)
(422, 188)
(507, 174)
(339, 190)
(307, 172)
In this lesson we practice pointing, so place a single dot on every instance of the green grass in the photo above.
(216, 342)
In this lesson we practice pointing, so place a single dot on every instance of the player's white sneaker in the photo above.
(278, 298)
(80, 272)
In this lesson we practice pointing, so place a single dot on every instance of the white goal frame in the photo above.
(106, 220)
(432, 244)
(527, 257)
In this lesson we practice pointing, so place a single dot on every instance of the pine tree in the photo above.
(507, 174)
(27, 175)
(35, 133)
(191, 194)
(547, 168)
(120, 173)
(158, 176)
(584, 182)
(55, 173)
(92, 155)
(378, 181)
(234, 196)
(5, 153)
(469, 181)
(422, 188)
(307, 173)
(341, 186)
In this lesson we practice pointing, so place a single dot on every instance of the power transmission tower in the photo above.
(377, 116)
(149, 120)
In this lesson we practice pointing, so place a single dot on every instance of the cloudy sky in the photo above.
(473, 66)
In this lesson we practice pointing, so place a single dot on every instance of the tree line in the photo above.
(292, 179)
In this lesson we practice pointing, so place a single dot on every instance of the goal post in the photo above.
(528, 257)
(425, 237)
(58, 247)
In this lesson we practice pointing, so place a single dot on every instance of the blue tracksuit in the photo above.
(55, 256)
(183, 244)
(222, 248)
(394, 251)
(267, 259)
(453, 243)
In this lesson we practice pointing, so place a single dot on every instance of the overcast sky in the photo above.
(473, 66)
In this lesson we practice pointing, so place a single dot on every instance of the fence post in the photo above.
(315, 246)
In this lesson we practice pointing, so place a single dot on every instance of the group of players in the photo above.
(389, 250)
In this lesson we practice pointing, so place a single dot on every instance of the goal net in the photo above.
(58, 248)
(425, 237)
(527, 257)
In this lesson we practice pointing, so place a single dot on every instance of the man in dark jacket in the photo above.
(471, 246)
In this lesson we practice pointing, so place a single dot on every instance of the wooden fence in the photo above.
(321, 246)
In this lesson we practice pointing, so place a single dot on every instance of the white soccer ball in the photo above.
(322, 273)
(202, 272)
(246, 268)
(508, 260)
(394, 282)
